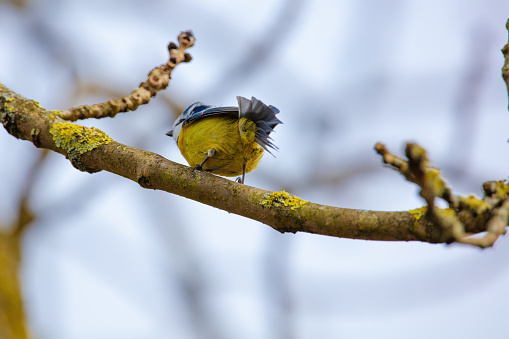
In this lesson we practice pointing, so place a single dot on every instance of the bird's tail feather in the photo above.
(263, 116)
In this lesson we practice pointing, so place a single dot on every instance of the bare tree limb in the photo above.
(158, 79)
(493, 208)
(505, 68)
(91, 150)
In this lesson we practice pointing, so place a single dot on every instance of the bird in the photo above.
(227, 141)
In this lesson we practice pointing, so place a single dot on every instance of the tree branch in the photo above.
(12, 317)
(91, 150)
(492, 209)
(505, 68)
(158, 79)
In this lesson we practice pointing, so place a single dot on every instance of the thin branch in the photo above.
(25, 213)
(12, 317)
(263, 47)
(496, 227)
(417, 170)
(91, 150)
(505, 68)
(158, 79)
(492, 209)
(466, 111)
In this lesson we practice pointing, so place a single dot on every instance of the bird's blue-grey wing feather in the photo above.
(198, 110)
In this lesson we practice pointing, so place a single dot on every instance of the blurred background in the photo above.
(104, 258)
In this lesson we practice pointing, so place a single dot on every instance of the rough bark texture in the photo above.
(25, 119)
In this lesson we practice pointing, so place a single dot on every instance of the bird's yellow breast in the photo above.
(232, 138)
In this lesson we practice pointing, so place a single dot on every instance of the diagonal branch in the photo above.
(91, 150)
(505, 68)
(492, 209)
(158, 79)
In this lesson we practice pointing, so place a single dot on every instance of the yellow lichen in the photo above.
(433, 176)
(72, 137)
(502, 189)
(48, 115)
(10, 99)
(419, 212)
(280, 199)
(445, 212)
(474, 203)
(8, 107)
(34, 132)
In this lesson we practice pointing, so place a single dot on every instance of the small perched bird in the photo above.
(227, 141)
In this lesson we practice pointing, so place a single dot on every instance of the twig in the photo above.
(417, 170)
(496, 227)
(158, 79)
(505, 68)
(492, 210)
(25, 213)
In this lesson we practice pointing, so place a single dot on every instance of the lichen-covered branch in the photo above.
(505, 68)
(91, 150)
(158, 79)
(417, 170)
(492, 209)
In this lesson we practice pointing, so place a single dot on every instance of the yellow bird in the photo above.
(227, 141)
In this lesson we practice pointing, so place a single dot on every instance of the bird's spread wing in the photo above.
(263, 116)
(198, 110)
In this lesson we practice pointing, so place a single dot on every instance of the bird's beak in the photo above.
(170, 133)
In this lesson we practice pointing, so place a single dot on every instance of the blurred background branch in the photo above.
(12, 314)
(505, 68)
